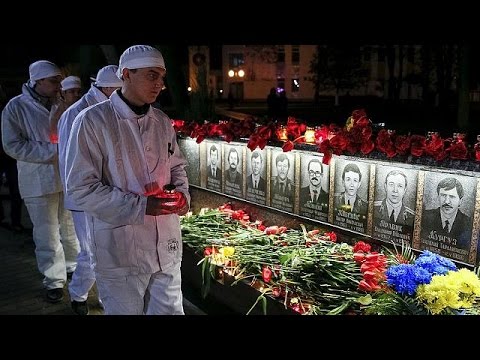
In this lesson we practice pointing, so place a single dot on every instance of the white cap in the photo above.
(42, 69)
(71, 82)
(107, 77)
(139, 57)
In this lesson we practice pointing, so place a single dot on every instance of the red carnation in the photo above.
(458, 151)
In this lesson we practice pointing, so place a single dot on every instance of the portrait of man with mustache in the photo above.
(447, 223)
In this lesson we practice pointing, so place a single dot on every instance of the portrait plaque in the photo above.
(256, 172)
(233, 169)
(214, 165)
(191, 151)
(447, 215)
(351, 190)
(394, 204)
(314, 186)
(282, 180)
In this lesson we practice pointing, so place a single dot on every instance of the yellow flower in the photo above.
(227, 251)
(349, 123)
(455, 290)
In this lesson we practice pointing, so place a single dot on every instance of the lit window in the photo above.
(295, 85)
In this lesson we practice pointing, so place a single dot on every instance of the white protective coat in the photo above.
(26, 138)
(92, 97)
(112, 155)
(83, 277)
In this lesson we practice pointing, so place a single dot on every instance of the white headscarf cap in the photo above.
(71, 82)
(139, 57)
(42, 69)
(107, 77)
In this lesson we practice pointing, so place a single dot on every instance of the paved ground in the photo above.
(21, 289)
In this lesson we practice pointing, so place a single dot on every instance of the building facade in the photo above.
(398, 72)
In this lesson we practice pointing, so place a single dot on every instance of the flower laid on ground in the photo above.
(449, 293)
(429, 284)
(306, 270)
(312, 274)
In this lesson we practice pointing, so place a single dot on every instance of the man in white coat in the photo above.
(120, 155)
(27, 137)
(83, 278)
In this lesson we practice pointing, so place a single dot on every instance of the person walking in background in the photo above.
(272, 104)
(120, 155)
(283, 105)
(71, 89)
(83, 278)
(27, 138)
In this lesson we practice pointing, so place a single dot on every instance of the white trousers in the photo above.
(56, 245)
(83, 278)
(144, 294)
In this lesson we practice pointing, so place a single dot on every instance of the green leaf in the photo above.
(262, 298)
(285, 258)
(264, 305)
(206, 278)
(339, 309)
(365, 300)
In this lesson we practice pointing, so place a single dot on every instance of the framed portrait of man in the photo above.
(314, 186)
(191, 151)
(394, 204)
(350, 201)
(256, 176)
(282, 190)
(233, 172)
(447, 214)
(214, 166)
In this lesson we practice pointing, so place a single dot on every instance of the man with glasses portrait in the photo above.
(313, 197)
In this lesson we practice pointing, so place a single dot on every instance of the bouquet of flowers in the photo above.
(429, 284)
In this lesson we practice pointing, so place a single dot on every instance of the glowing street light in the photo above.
(236, 73)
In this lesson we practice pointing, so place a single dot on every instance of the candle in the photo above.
(310, 135)
(282, 133)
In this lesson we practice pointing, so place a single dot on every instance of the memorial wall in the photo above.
(429, 208)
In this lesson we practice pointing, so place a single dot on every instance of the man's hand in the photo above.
(57, 110)
(166, 204)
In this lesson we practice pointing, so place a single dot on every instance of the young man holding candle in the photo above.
(121, 154)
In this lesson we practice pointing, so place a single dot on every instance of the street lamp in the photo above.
(236, 73)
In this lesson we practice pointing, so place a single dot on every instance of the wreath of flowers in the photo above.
(357, 136)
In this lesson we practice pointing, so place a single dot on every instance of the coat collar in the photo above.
(124, 110)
